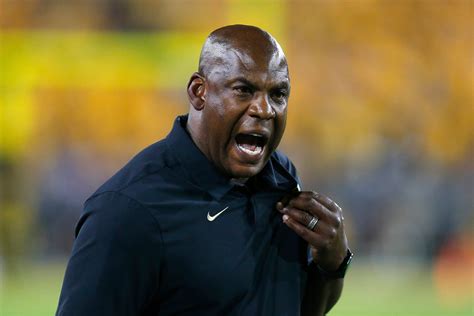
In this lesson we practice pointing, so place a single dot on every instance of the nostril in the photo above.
(262, 109)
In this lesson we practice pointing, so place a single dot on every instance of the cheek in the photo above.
(221, 120)
(280, 121)
(224, 109)
(279, 128)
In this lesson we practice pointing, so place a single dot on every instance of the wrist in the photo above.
(335, 273)
(331, 263)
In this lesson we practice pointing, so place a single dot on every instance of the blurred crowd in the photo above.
(380, 116)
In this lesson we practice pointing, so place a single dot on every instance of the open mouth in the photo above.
(251, 144)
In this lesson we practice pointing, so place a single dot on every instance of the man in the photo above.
(209, 221)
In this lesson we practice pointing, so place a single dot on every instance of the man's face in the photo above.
(245, 110)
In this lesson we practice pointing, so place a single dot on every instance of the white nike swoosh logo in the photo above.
(211, 218)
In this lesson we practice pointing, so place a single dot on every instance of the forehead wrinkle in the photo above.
(212, 54)
(274, 63)
(244, 59)
(278, 60)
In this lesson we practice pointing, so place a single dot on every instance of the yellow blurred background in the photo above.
(380, 118)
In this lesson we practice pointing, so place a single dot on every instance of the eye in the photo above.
(280, 95)
(243, 91)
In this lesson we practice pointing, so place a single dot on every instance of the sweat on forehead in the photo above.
(242, 40)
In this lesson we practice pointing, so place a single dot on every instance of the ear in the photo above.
(197, 91)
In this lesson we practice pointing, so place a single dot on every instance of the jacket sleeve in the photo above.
(115, 263)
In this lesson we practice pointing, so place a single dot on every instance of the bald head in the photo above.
(250, 44)
(238, 99)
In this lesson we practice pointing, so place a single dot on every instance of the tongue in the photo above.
(248, 142)
(251, 147)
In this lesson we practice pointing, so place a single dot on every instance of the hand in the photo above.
(327, 240)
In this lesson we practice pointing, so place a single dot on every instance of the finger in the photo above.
(287, 198)
(306, 202)
(302, 217)
(321, 228)
(327, 202)
(280, 206)
(313, 238)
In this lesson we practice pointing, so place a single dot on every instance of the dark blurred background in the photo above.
(380, 119)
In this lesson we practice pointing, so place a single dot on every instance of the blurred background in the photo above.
(380, 119)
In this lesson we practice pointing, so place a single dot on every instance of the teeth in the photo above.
(254, 151)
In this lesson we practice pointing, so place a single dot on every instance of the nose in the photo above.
(261, 108)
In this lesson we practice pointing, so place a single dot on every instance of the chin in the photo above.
(245, 171)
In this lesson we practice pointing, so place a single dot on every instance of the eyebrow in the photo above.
(280, 85)
(244, 81)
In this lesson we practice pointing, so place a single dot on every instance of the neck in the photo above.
(239, 181)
